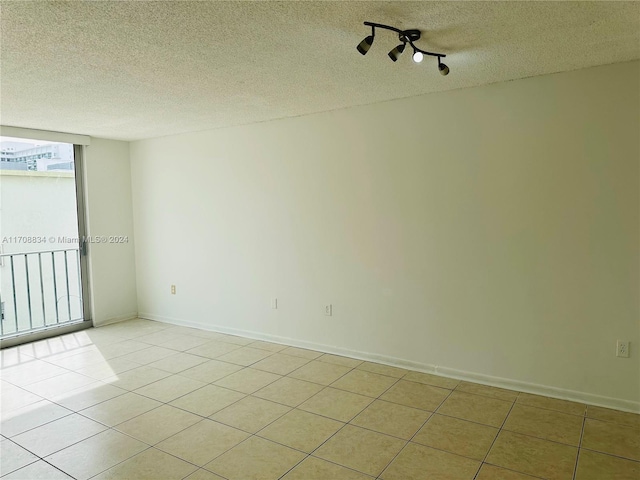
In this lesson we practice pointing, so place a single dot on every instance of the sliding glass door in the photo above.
(43, 272)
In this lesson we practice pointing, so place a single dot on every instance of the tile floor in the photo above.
(146, 400)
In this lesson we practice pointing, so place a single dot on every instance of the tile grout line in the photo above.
(329, 418)
(168, 376)
(550, 409)
(575, 467)
(161, 402)
(416, 432)
(176, 433)
(302, 366)
(306, 455)
(44, 458)
(38, 458)
(488, 396)
(122, 461)
(242, 367)
(379, 398)
(57, 468)
(349, 421)
(71, 412)
(484, 460)
(611, 455)
(230, 426)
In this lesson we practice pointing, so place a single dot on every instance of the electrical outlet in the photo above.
(274, 303)
(328, 310)
(622, 349)
(173, 289)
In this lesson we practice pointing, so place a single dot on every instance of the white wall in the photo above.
(112, 265)
(40, 206)
(490, 231)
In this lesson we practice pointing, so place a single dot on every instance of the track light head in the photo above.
(365, 44)
(442, 68)
(417, 57)
(396, 52)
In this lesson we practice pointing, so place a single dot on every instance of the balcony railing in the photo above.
(39, 290)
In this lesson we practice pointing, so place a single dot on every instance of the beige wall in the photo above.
(490, 233)
(112, 265)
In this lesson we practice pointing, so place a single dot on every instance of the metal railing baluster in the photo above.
(79, 279)
(66, 274)
(26, 270)
(44, 315)
(13, 289)
(2, 317)
(55, 285)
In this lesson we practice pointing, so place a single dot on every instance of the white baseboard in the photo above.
(119, 318)
(547, 391)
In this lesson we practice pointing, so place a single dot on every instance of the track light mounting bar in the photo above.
(406, 36)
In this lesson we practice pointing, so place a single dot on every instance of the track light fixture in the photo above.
(405, 36)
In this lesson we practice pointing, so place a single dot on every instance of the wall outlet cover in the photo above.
(622, 349)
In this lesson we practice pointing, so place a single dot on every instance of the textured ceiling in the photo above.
(136, 69)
